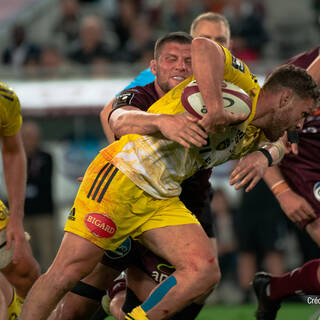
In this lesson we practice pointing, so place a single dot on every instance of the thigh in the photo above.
(180, 245)
(76, 257)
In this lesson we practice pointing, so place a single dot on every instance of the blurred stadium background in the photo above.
(63, 89)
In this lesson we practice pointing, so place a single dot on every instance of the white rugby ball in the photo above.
(234, 98)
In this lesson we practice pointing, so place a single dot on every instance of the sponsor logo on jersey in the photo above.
(316, 190)
(239, 135)
(123, 99)
(121, 251)
(3, 211)
(223, 144)
(238, 64)
(72, 214)
(100, 225)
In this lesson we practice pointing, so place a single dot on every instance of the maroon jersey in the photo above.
(302, 172)
(141, 97)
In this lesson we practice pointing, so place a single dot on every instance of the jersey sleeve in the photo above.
(10, 117)
(238, 73)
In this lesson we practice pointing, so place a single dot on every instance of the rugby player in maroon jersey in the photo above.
(296, 185)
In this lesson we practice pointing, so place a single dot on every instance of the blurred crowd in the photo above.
(124, 31)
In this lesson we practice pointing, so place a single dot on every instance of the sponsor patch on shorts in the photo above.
(100, 225)
(121, 251)
(316, 190)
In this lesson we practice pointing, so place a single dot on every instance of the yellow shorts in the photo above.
(4, 215)
(109, 207)
(14, 308)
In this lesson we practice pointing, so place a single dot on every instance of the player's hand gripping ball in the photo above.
(235, 100)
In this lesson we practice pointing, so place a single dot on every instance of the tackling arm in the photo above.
(104, 117)
(294, 206)
(14, 164)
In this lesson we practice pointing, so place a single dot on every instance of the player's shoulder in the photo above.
(304, 59)
(7, 95)
(128, 96)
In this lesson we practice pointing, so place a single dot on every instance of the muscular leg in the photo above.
(274, 262)
(66, 270)
(74, 306)
(188, 248)
(247, 266)
(23, 275)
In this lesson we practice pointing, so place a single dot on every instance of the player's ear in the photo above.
(285, 97)
(153, 66)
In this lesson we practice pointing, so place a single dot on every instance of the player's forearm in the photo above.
(208, 69)
(276, 151)
(124, 122)
(275, 180)
(104, 118)
(14, 165)
(314, 70)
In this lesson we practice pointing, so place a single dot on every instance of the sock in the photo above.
(117, 286)
(188, 313)
(301, 280)
(137, 314)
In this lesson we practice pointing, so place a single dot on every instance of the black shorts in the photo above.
(260, 223)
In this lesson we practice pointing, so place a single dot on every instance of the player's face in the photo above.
(216, 31)
(173, 65)
(289, 118)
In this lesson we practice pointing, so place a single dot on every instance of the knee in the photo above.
(26, 270)
(205, 271)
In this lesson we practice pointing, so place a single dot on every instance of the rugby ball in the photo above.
(234, 98)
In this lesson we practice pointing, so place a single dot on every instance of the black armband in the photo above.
(267, 154)
(88, 291)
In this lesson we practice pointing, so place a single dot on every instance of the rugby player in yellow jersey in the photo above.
(170, 67)
(10, 305)
(132, 186)
(23, 270)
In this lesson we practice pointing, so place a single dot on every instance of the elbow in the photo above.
(204, 44)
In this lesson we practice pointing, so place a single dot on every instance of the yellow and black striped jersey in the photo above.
(158, 165)
(10, 111)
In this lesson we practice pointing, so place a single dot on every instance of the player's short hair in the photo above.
(178, 37)
(294, 78)
(212, 17)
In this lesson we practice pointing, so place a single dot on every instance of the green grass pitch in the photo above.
(288, 311)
